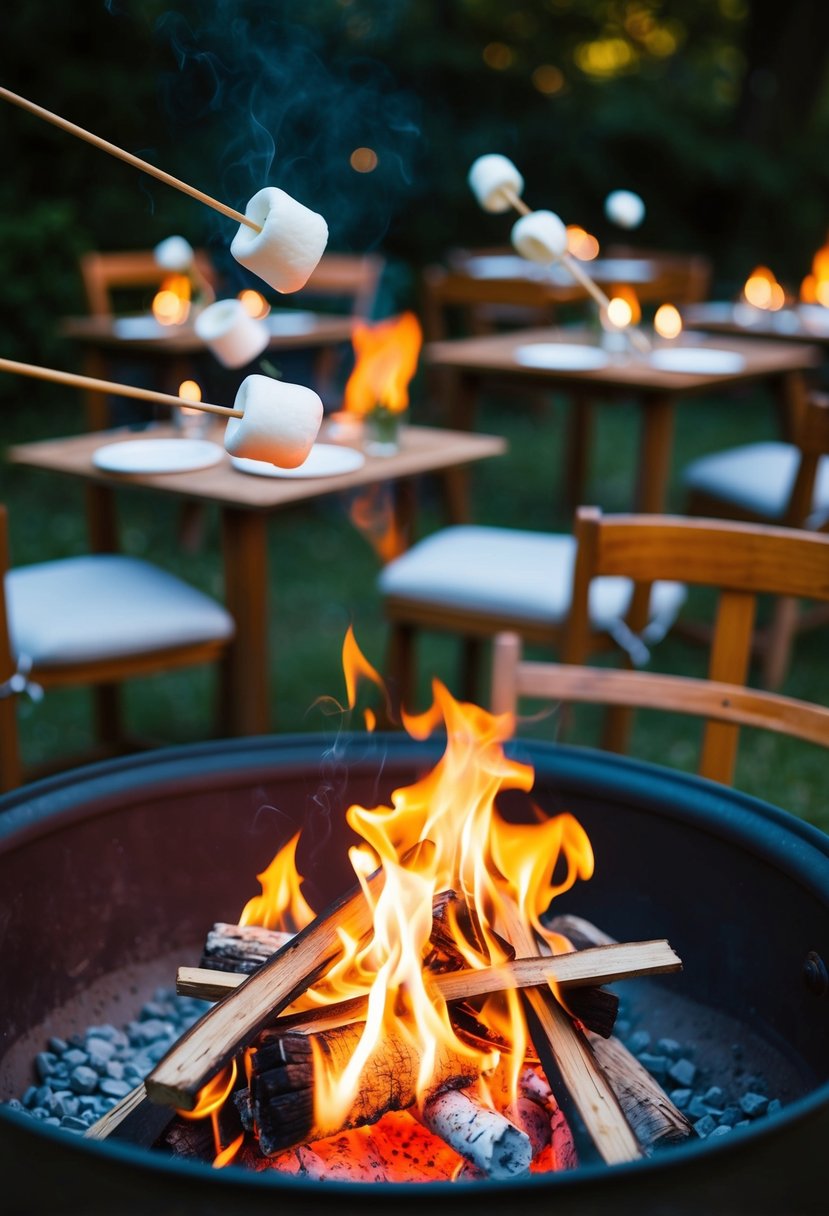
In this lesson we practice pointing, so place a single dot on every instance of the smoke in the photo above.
(267, 100)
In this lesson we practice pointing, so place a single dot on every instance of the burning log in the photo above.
(570, 1056)
(651, 1113)
(233, 1023)
(485, 1137)
(282, 1082)
(241, 948)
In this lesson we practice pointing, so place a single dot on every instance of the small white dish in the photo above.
(561, 356)
(697, 360)
(288, 322)
(324, 460)
(157, 455)
(141, 327)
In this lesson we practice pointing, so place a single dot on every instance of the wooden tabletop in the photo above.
(289, 328)
(423, 450)
(809, 323)
(496, 354)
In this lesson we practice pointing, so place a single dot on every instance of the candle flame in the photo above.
(254, 303)
(581, 244)
(763, 291)
(667, 322)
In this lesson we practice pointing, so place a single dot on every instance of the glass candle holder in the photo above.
(382, 430)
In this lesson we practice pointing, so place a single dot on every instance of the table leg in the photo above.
(655, 449)
(579, 439)
(244, 546)
(790, 393)
(101, 519)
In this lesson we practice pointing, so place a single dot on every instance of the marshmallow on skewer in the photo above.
(174, 253)
(540, 237)
(279, 422)
(233, 335)
(624, 208)
(289, 245)
(489, 176)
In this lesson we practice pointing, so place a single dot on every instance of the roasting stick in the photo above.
(136, 161)
(582, 1076)
(118, 390)
(579, 274)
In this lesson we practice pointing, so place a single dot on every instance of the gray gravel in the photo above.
(77, 1080)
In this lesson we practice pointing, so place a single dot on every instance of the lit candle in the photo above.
(667, 322)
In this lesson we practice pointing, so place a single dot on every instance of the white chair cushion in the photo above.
(757, 477)
(105, 606)
(526, 575)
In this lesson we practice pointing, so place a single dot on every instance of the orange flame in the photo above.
(763, 291)
(254, 303)
(581, 244)
(171, 303)
(281, 904)
(667, 321)
(209, 1103)
(815, 287)
(386, 359)
(372, 513)
(623, 308)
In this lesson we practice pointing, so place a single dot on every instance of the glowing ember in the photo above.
(763, 291)
(171, 303)
(386, 354)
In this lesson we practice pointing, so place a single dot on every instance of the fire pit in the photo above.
(111, 876)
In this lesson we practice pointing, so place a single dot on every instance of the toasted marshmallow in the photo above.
(174, 253)
(233, 335)
(540, 236)
(488, 177)
(624, 208)
(290, 244)
(279, 422)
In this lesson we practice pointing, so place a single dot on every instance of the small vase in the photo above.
(383, 428)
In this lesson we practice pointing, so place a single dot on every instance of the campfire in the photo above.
(442, 1020)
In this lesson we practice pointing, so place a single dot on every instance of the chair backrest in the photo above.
(481, 304)
(106, 276)
(678, 278)
(351, 282)
(812, 437)
(740, 561)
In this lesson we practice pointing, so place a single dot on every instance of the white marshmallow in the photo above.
(290, 244)
(487, 178)
(233, 335)
(279, 423)
(174, 253)
(624, 208)
(540, 236)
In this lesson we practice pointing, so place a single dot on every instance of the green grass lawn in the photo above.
(323, 573)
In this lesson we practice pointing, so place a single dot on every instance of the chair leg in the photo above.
(11, 768)
(109, 728)
(400, 666)
(472, 653)
(780, 637)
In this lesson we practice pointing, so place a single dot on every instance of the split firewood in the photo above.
(653, 1116)
(212, 1042)
(566, 1053)
(134, 1119)
(242, 948)
(485, 1137)
(282, 1087)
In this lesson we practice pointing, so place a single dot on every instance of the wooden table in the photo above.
(103, 339)
(245, 502)
(474, 363)
(808, 324)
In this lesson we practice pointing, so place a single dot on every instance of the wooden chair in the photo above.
(109, 276)
(452, 301)
(741, 561)
(476, 582)
(679, 278)
(95, 620)
(772, 483)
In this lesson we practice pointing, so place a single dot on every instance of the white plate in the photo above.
(141, 327)
(324, 460)
(157, 455)
(293, 322)
(563, 356)
(697, 360)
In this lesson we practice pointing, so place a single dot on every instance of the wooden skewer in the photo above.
(136, 161)
(119, 390)
(580, 275)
